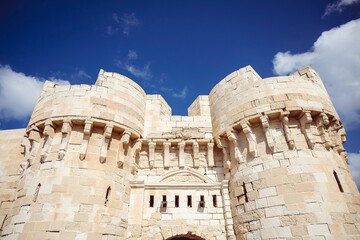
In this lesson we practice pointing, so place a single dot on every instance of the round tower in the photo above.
(81, 147)
(283, 155)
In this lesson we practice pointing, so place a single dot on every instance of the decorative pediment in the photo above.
(185, 176)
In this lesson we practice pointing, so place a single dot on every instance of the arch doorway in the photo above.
(180, 238)
(187, 236)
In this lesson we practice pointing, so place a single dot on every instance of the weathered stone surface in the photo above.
(256, 159)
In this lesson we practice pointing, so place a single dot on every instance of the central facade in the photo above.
(255, 159)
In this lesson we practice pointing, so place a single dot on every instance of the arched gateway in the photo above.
(187, 236)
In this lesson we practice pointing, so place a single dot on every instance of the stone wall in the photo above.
(259, 158)
(160, 124)
(179, 216)
(200, 107)
(67, 196)
(10, 158)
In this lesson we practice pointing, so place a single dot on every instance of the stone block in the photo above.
(274, 211)
(318, 229)
(267, 192)
(268, 233)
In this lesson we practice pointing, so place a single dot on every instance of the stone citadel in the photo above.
(255, 159)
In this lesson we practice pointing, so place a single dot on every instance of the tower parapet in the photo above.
(243, 95)
(113, 98)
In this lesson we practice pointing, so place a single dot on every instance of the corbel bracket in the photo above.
(65, 131)
(268, 132)
(107, 136)
(288, 136)
(305, 123)
(86, 138)
(233, 140)
(250, 136)
(48, 134)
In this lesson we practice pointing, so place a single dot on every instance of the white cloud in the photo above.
(19, 93)
(354, 164)
(181, 95)
(336, 56)
(132, 55)
(116, 18)
(140, 72)
(125, 23)
(76, 74)
(128, 20)
(338, 6)
(58, 81)
(80, 74)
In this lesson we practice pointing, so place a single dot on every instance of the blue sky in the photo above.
(179, 49)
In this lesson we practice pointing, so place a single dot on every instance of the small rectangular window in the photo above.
(189, 201)
(108, 191)
(338, 181)
(2, 224)
(202, 201)
(245, 192)
(151, 202)
(214, 201)
(243, 198)
(164, 202)
(36, 192)
(176, 201)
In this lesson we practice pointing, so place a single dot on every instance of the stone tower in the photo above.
(256, 159)
(283, 155)
(79, 151)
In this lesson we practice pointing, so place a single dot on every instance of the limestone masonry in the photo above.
(255, 159)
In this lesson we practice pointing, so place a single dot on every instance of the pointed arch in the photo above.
(187, 236)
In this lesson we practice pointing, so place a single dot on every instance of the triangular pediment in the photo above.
(185, 176)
